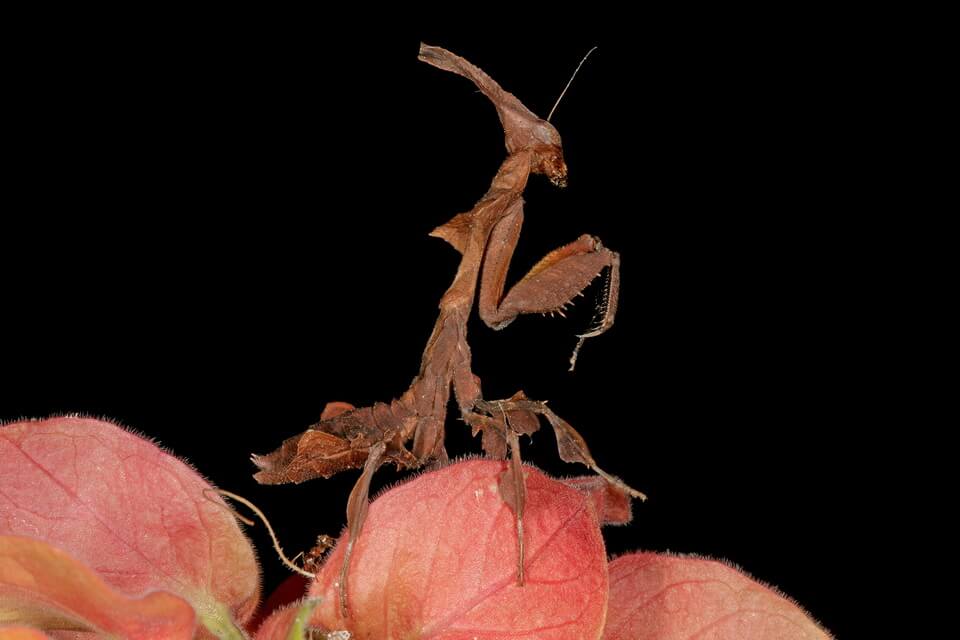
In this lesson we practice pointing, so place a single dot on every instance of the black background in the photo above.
(219, 229)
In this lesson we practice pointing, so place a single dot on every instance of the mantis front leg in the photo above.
(551, 284)
(548, 287)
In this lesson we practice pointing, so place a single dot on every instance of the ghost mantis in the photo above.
(347, 437)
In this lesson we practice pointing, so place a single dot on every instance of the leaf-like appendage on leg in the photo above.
(523, 421)
(428, 439)
(514, 492)
(333, 409)
(573, 448)
(610, 501)
(570, 444)
(494, 439)
(357, 513)
(309, 455)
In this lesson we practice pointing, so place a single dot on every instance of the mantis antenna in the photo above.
(569, 82)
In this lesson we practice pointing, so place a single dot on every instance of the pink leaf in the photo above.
(136, 515)
(21, 633)
(43, 585)
(289, 591)
(288, 622)
(277, 625)
(660, 597)
(438, 559)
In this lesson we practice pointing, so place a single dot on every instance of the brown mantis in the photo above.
(486, 236)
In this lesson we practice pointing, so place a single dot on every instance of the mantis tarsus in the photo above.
(347, 437)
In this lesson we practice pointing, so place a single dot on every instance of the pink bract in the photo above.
(438, 559)
(138, 517)
(662, 597)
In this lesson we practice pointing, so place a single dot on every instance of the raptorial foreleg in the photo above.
(551, 284)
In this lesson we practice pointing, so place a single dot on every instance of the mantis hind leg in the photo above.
(570, 444)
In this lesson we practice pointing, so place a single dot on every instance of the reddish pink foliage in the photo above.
(438, 558)
(41, 581)
(119, 504)
(289, 591)
(21, 633)
(657, 597)
(278, 625)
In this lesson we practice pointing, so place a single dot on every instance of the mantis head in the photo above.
(523, 130)
(548, 153)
